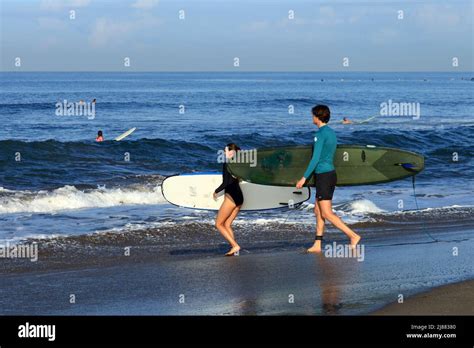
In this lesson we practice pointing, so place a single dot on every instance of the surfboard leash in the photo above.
(424, 229)
(433, 240)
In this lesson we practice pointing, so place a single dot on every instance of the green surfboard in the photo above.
(355, 165)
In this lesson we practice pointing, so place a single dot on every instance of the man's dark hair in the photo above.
(322, 112)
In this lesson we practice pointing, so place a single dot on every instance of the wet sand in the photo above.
(452, 299)
(271, 277)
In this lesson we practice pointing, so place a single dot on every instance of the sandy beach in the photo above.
(270, 277)
(452, 299)
(144, 140)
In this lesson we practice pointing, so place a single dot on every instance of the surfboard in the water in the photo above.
(195, 190)
(366, 120)
(360, 122)
(126, 134)
(355, 165)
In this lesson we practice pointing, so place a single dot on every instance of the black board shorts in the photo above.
(235, 192)
(325, 184)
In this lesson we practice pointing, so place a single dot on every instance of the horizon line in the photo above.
(232, 71)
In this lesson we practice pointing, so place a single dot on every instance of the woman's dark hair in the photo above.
(322, 112)
(99, 133)
(233, 146)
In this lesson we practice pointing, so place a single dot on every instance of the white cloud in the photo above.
(328, 17)
(327, 11)
(57, 5)
(106, 31)
(109, 31)
(286, 22)
(438, 16)
(145, 4)
(258, 26)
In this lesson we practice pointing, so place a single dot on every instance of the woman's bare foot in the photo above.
(234, 251)
(354, 241)
(316, 248)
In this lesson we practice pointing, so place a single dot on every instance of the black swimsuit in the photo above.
(231, 186)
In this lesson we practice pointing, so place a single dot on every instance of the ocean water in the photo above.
(55, 180)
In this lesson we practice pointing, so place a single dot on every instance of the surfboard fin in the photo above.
(408, 166)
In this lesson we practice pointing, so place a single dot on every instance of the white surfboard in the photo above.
(195, 191)
(366, 120)
(361, 122)
(126, 134)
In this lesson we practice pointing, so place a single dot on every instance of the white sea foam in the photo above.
(362, 206)
(70, 198)
(357, 207)
(445, 209)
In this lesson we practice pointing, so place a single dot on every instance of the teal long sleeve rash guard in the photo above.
(324, 149)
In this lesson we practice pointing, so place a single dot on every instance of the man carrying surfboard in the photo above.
(322, 166)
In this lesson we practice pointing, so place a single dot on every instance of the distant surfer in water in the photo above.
(322, 166)
(345, 120)
(100, 137)
(233, 200)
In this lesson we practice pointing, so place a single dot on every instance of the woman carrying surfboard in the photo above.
(233, 201)
(322, 166)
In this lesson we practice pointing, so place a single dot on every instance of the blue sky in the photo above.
(258, 32)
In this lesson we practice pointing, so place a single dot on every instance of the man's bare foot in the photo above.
(316, 248)
(234, 251)
(354, 241)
